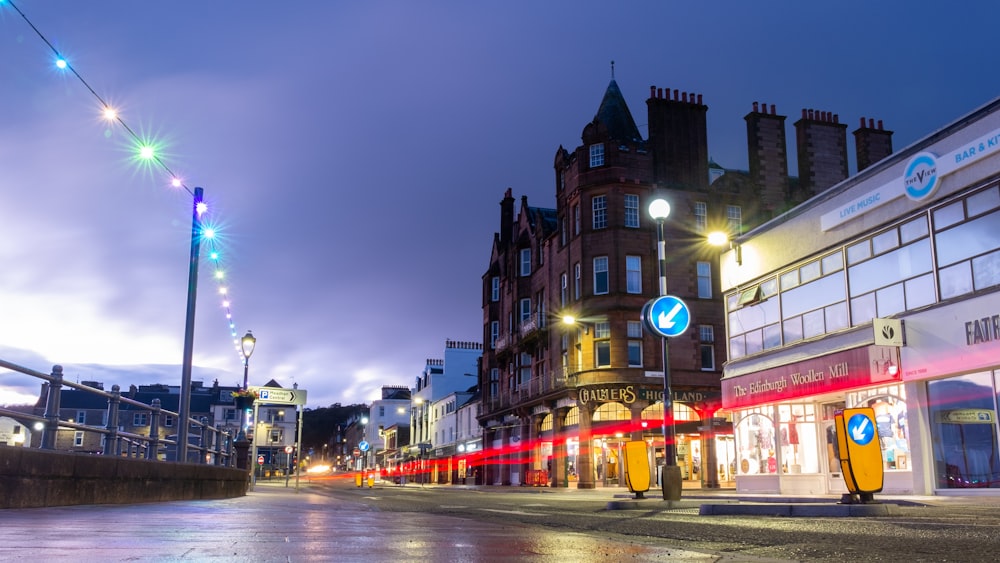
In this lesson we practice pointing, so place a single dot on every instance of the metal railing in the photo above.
(214, 445)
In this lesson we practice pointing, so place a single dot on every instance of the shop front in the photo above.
(783, 420)
(581, 445)
(952, 357)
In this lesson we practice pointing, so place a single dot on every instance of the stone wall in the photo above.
(34, 478)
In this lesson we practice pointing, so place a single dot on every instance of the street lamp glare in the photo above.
(659, 209)
(569, 319)
(247, 343)
(718, 238)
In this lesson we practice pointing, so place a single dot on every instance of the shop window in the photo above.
(755, 443)
(963, 423)
(798, 438)
(889, 404)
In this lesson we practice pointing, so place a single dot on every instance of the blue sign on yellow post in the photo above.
(860, 450)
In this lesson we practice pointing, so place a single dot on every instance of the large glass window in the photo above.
(755, 442)
(889, 404)
(888, 273)
(963, 421)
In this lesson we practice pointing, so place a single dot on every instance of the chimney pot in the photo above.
(755, 107)
(677, 95)
(836, 118)
(699, 99)
(684, 96)
(659, 93)
(862, 122)
(871, 123)
(879, 124)
(652, 91)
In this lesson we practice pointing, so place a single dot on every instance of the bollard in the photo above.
(357, 479)
(371, 480)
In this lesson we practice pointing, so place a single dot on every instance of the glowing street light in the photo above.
(659, 210)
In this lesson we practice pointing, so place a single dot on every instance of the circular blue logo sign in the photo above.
(920, 179)
(667, 316)
(363, 446)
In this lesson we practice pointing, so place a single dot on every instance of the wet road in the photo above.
(336, 521)
(273, 523)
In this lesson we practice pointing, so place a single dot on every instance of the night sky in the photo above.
(354, 154)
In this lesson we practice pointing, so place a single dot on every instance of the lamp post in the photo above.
(241, 444)
(670, 480)
(247, 343)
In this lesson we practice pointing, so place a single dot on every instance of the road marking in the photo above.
(518, 512)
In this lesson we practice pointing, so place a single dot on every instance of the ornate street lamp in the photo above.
(247, 344)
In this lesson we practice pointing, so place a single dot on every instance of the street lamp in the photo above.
(247, 344)
(659, 210)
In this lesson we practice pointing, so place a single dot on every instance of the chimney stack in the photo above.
(871, 143)
(768, 155)
(821, 141)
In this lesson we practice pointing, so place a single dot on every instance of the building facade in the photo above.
(562, 399)
(882, 291)
(455, 373)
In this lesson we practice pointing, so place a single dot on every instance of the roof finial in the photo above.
(612, 70)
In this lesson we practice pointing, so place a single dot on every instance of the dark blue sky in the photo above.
(354, 155)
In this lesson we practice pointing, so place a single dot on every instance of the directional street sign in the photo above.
(860, 429)
(363, 446)
(279, 396)
(860, 450)
(666, 316)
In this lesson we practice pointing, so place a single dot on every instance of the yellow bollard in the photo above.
(357, 479)
(371, 480)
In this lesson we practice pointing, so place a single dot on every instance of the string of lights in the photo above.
(145, 151)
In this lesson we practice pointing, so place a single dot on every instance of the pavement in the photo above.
(727, 501)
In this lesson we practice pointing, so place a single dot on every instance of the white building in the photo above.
(881, 292)
(392, 409)
(456, 373)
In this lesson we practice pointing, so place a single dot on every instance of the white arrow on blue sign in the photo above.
(667, 316)
(363, 446)
(860, 429)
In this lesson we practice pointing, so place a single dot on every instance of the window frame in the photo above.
(601, 274)
(597, 155)
(599, 212)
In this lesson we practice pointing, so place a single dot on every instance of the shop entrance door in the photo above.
(835, 479)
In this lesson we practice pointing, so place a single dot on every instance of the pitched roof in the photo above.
(616, 117)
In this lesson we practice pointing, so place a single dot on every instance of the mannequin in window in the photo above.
(883, 423)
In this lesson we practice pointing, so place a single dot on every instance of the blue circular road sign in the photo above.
(363, 446)
(860, 429)
(667, 316)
